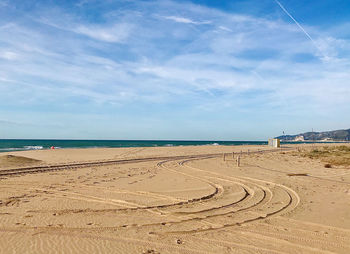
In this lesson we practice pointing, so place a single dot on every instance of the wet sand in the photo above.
(172, 200)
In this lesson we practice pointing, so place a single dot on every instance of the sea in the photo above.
(9, 145)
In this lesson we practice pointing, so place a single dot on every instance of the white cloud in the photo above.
(225, 28)
(144, 62)
(8, 55)
(186, 20)
(115, 33)
(237, 65)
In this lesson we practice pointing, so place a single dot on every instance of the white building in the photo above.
(274, 142)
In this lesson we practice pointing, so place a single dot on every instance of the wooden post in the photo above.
(248, 152)
(223, 156)
(233, 155)
(238, 161)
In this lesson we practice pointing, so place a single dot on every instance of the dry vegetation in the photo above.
(330, 155)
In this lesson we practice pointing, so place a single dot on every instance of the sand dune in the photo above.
(12, 161)
(174, 200)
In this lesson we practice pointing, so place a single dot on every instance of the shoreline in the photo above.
(24, 145)
(6, 145)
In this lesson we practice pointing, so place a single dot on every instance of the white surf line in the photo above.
(302, 29)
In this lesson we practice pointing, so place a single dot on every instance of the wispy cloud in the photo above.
(225, 28)
(116, 33)
(8, 55)
(109, 32)
(170, 57)
(9, 122)
(186, 20)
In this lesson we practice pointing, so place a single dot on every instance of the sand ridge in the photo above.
(13, 161)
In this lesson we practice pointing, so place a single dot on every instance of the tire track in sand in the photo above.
(292, 201)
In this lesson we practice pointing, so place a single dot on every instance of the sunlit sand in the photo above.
(173, 200)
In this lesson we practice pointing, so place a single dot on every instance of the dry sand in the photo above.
(168, 204)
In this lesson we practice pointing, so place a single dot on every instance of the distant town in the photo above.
(337, 135)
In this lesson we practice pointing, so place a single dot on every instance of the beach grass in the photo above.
(330, 155)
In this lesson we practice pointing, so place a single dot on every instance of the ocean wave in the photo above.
(11, 149)
(24, 148)
(33, 147)
(209, 144)
(168, 145)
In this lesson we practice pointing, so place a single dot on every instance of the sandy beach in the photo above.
(190, 199)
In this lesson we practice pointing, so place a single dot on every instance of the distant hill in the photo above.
(338, 135)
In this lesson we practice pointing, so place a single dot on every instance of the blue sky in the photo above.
(208, 70)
